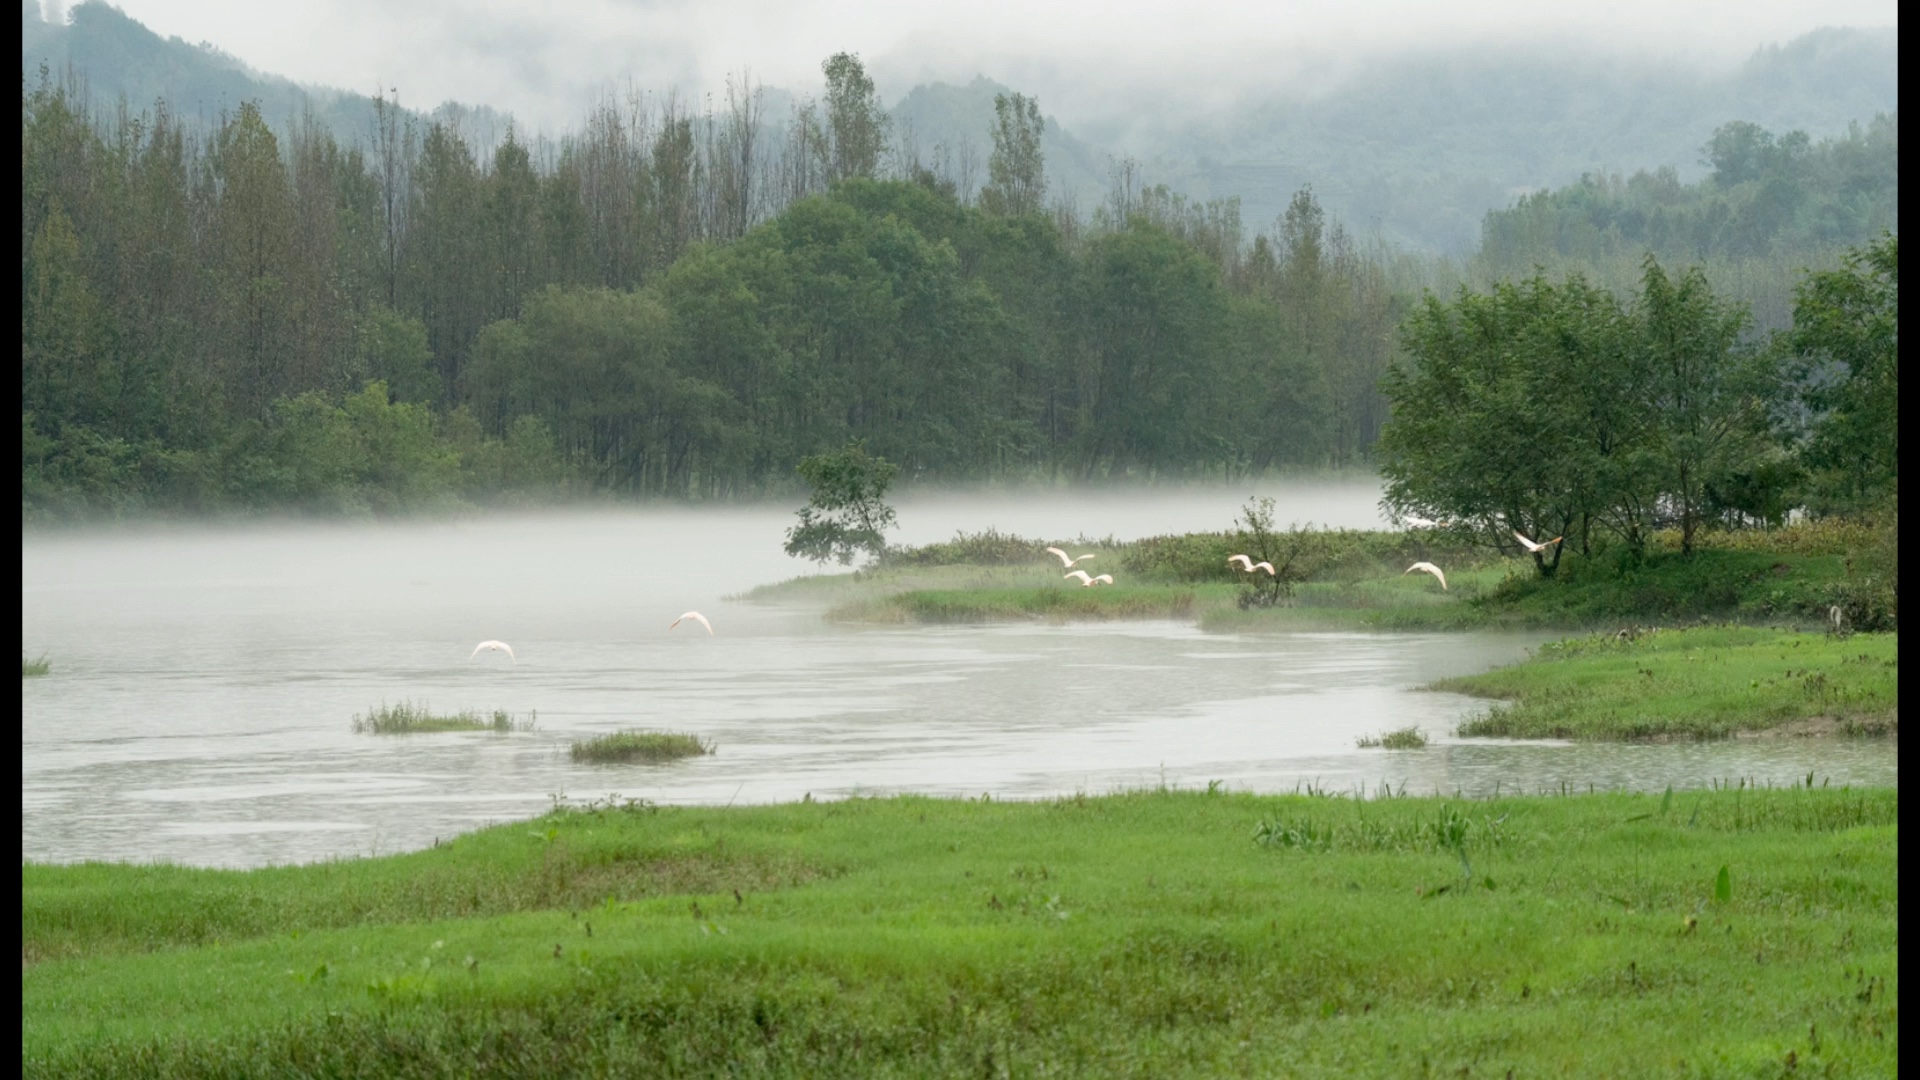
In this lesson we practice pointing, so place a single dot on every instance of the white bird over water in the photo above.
(494, 646)
(696, 616)
(1246, 562)
(1067, 562)
(1429, 568)
(1533, 547)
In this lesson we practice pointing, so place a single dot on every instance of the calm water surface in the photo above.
(204, 682)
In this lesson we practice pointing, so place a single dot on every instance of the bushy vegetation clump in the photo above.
(33, 668)
(650, 747)
(1406, 738)
(407, 718)
(988, 547)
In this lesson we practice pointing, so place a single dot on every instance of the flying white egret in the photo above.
(494, 646)
(1267, 566)
(1104, 579)
(1533, 547)
(697, 617)
(1082, 575)
(1245, 562)
(1419, 522)
(1067, 562)
(1429, 568)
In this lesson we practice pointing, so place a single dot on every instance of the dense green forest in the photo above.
(1772, 207)
(202, 320)
(666, 304)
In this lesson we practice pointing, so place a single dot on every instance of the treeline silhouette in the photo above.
(663, 303)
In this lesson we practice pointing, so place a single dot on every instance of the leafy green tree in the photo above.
(1016, 170)
(1707, 396)
(68, 366)
(1150, 313)
(512, 199)
(1550, 409)
(1845, 340)
(1294, 554)
(393, 349)
(856, 121)
(1738, 152)
(846, 514)
(249, 251)
(1483, 428)
(596, 365)
(456, 274)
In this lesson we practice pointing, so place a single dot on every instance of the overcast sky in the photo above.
(1080, 56)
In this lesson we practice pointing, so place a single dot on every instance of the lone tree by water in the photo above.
(845, 515)
(1293, 554)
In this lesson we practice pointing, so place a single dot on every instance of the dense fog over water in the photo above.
(204, 681)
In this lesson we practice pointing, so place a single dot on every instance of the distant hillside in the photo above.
(944, 119)
(1422, 149)
(1418, 150)
(118, 57)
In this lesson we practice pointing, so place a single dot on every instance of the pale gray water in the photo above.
(204, 681)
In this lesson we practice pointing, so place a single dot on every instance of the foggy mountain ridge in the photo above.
(1416, 150)
(1421, 149)
(117, 56)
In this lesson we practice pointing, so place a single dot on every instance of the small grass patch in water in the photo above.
(32, 668)
(406, 718)
(651, 747)
(1406, 738)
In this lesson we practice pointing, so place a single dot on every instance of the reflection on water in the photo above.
(204, 683)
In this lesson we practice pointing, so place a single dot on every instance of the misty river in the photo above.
(204, 680)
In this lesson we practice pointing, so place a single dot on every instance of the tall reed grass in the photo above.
(406, 718)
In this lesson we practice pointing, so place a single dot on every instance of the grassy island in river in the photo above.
(1349, 579)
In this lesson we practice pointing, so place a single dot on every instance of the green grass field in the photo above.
(1707, 933)
(1697, 683)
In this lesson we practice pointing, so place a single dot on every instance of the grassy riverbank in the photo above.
(1727, 932)
(1697, 683)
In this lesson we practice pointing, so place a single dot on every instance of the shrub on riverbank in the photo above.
(406, 718)
(33, 668)
(1139, 934)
